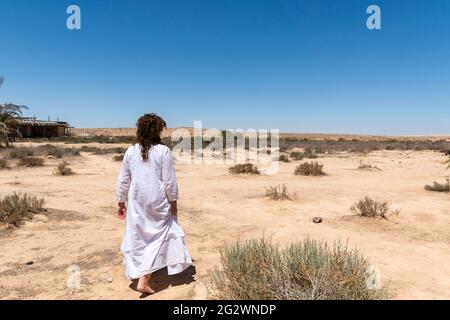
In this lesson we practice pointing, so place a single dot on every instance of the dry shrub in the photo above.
(31, 162)
(278, 192)
(296, 155)
(15, 208)
(308, 270)
(246, 168)
(118, 157)
(63, 169)
(439, 187)
(368, 207)
(365, 166)
(310, 169)
(283, 158)
(21, 152)
(3, 164)
(307, 154)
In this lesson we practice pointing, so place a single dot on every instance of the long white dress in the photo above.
(153, 239)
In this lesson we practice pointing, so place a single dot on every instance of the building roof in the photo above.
(35, 122)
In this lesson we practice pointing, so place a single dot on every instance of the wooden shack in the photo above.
(33, 128)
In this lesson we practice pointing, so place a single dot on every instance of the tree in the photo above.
(9, 115)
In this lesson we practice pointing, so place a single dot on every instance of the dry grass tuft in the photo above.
(310, 169)
(370, 208)
(278, 192)
(308, 270)
(244, 168)
(31, 162)
(3, 164)
(283, 158)
(119, 157)
(365, 166)
(439, 187)
(63, 169)
(15, 208)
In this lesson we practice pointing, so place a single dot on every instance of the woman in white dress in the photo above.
(153, 239)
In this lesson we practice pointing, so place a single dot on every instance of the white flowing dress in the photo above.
(153, 239)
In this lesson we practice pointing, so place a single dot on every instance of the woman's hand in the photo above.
(121, 210)
(174, 208)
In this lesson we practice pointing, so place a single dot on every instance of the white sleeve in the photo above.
(168, 176)
(124, 180)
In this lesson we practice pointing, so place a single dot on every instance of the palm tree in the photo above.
(9, 114)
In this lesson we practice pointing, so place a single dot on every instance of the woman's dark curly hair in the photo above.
(148, 134)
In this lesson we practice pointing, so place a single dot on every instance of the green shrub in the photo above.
(245, 168)
(31, 162)
(63, 169)
(310, 169)
(15, 208)
(439, 187)
(368, 207)
(308, 270)
(278, 192)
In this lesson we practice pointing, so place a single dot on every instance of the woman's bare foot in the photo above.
(143, 285)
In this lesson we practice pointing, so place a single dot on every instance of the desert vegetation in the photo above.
(9, 113)
(63, 169)
(278, 192)
(310, 169)
(283, 158)
(244, 168)
(366, 166)
(308, 153)
(16, 208)
(4, 164)
(119, 157)
(309, 270)
(31, 162)
(439, 187)
(370, 208)
(46, 150)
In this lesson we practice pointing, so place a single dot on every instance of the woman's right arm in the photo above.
(123, 184)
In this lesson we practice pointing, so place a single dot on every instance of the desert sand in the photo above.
(411, 250)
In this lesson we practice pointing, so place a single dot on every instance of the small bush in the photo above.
(296, 155)
(283, 158)
(439, 187)
(368, 207)
(247, 168)
(63, 169)
(21, 152)
(118, 157)
(365, 166)
(278, 192)
(310, 169)
(15, 208)
(3, 164)
(31, 162)
(307, 270)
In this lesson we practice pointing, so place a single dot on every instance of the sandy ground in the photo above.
(412, 250)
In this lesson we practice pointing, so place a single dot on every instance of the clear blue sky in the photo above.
(304, 66)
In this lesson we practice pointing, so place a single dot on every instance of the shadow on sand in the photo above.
(160, 280)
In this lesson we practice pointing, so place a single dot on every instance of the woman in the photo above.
(153, 239)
